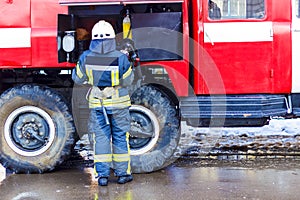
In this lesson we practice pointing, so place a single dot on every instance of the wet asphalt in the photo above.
(186, 179)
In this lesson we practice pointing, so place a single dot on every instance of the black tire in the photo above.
(149, 99)
(36, 129)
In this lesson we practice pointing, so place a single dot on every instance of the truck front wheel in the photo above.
(36, 129)
(154, 133)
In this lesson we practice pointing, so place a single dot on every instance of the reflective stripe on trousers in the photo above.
(111, 147)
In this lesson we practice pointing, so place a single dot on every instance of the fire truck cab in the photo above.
(204, 64)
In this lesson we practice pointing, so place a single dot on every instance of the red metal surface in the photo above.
(282, 53)
(44, 48)
(115, 1)
(44, 13)
(282, 58)
(178, 73)
(15, 13)
(44, 31)
(15, 57)
(243, 67)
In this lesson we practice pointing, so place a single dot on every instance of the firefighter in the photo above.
(108, 71)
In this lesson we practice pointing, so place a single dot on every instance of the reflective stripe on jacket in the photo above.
(105, 70)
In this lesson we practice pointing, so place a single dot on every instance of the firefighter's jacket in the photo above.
(111, 70)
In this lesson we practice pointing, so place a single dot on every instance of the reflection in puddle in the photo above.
(2, 173)
(26, 195)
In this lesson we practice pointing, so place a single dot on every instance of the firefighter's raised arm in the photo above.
(128, 75)
(78, 74)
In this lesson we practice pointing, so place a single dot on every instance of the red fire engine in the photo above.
(204, 63)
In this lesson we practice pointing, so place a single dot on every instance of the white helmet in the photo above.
(103, 30)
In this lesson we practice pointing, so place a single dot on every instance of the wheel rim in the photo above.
(144, 131)
(29, 131)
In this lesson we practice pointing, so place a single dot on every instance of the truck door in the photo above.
(15, 32)
(238, 36)
(295, 46)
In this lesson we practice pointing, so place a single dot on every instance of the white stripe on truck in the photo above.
(238, 32)
(15, 37)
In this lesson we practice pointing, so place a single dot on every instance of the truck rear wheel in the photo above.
(36, 129)
(154, 133)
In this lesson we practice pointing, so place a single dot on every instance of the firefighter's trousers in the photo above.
(111, 147)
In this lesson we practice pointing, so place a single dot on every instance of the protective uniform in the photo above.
(107, 71)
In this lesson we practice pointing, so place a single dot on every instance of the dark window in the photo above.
(297, 8)
(236, 9)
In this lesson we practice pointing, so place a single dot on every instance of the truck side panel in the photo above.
(44, 30)
(15, 42)
(244, 54)
(282, 48)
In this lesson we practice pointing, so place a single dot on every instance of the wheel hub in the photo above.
(29, 131)
(144, 131)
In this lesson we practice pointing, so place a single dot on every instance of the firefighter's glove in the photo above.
(96, 93)
(108, 92)
(102, 94)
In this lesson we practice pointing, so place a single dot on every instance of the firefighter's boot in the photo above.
(103, 181)
(125, 179)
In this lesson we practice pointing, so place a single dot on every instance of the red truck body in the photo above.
(249, 61)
